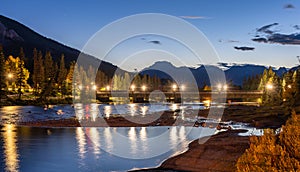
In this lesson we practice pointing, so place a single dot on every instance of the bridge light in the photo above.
(144, 88)
(174, 86)
(132, 87)
(182, 87)
(219, 86)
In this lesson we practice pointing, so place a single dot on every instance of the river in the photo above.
(91, 149)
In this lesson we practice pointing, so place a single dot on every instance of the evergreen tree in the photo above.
(50, 69)
(20, 81)
(137, 80)
(35, 71)
(69, 77)
(126, 81)
(270, 84)
(251, 83)
(116, 85)
(101, 79)
(288, 88)
(41, 72)
(62, 73)
(296, 86)
(2, 74)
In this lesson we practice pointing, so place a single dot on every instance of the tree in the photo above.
(62, 73)
(35, 70)
(270, 84)
(50, 69)
(101, 79)
(251, 83)
(126, 81)
(69, 78)
(21, 76)
(41, 72)
(2, 74)
(117, 82)
(296, 86)
(288, 88)
(274, 153)
(38, 71)
(137, 80)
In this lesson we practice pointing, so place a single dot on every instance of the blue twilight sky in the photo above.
(226, 24)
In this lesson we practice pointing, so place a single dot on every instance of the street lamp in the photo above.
(219, 86)
(132, 87)
(144, 88)
(182, 88)
(289, 86)
(107, 88)
(225, 87)
(94, 87)
(269, 86)
(174, 86)
(10, 75)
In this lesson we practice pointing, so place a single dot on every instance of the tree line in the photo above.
(276, 90)
(55, 79)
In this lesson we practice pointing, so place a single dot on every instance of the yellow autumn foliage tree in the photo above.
(272, 152)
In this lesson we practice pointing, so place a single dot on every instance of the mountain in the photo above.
(14, 35)
(199, 75)
(238, 73)
(234, 73)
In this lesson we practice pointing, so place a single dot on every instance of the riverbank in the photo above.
(259, 117)
(9, 101)
(256, 116)
(219, 153)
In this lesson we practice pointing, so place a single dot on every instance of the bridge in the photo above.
(146, 96)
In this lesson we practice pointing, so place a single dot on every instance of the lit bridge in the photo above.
(145, 96)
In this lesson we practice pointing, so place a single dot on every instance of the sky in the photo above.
(257, 32)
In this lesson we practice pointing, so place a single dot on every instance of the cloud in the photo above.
(264, 40)
(194, 17)
(297, 27)
(155, 42)
(265, 35)
(289, 6)
(244, 48)
(228, 41)
(291, 39)
(233, 41)
(265, 29)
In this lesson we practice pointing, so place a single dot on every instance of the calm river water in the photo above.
(91, 149)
